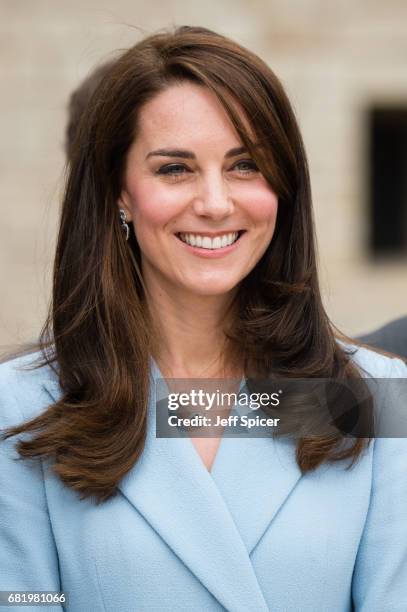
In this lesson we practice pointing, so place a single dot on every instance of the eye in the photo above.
(173, 170)
(246, 166)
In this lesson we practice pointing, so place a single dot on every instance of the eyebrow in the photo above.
(184, 154)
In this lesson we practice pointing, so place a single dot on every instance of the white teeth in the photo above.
(205, 242)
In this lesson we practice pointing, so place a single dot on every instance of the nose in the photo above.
(213, 200)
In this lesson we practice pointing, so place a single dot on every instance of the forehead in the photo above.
(186, 111)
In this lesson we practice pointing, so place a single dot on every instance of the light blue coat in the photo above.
(253, 535)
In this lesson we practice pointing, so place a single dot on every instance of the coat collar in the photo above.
(212, 521)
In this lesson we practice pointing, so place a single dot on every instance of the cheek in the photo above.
(154, 205)
(262, 204)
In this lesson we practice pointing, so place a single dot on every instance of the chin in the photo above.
(208, 289)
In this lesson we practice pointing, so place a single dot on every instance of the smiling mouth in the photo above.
(208, 242)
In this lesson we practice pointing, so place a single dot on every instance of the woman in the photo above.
(186, 250)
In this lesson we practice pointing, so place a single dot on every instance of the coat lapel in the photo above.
(255, 477)
(175, 493)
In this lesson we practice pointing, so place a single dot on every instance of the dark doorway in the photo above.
(388, 181)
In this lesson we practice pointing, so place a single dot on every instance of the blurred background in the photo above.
(344, 67)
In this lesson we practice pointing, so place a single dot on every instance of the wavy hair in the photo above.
(99, 334)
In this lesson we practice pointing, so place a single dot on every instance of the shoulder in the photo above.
(25, 391)
(390, 444)
(391, 337)
(372, 364)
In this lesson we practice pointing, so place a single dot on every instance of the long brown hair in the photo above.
(99, 336)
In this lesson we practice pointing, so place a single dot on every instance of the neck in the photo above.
(190, 328)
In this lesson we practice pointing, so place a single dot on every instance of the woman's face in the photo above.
(203, 214)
